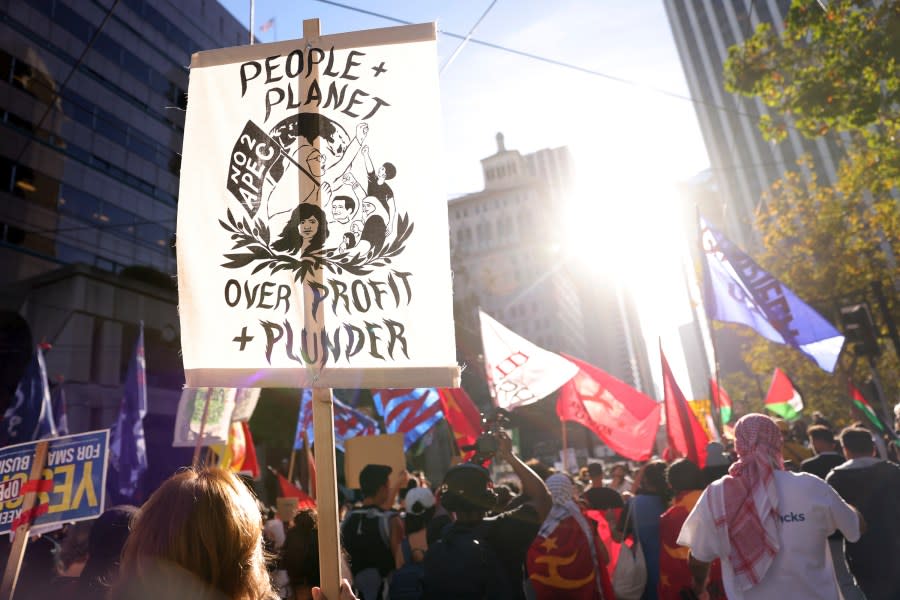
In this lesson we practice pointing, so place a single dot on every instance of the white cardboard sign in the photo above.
(261, 210)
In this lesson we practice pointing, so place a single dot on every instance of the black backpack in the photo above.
(365, 535)
(461, 565)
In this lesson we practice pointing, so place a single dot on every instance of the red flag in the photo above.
(783, 399)
(624, 418)
(250, 465)
(561, 565)
(720, 400)
(289, 490)
(686, 436)
(462, 415)
(311, 474)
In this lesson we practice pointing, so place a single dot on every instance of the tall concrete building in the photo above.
(507, 259)
(92, 99)
(505, 254)
(743, 163)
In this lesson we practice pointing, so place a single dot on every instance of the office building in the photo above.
(506, 256)
(507, 259)
(743, 164)
(92, 99)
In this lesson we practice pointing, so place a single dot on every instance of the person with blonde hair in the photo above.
(199, 536)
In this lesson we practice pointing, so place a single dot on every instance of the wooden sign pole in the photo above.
(290, 473)
(17, 553)
(322, 405)
(196, 461)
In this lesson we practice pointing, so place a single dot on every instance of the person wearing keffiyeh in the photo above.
(567, 561)
(768, 526)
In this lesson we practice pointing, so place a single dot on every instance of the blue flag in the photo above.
(411, 412)
(58, 401)
(737, 290)
(348, 423)
(30, 416)
(127, 447)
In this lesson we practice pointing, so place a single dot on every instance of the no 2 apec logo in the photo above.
(348, 223)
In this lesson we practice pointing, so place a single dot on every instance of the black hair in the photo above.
(653, 479)
(291, 240)
(349, 203)
(372, 477)
(858, 441)
(820, 433)
(390, 171)
(300, 553)
(684, 475)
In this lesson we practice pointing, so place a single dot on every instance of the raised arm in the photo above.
(370, 168)
(358, 192)
(532, 486)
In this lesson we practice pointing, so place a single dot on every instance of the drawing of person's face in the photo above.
(316, 162)
(339, 210)
(308, 227)
(382, 174)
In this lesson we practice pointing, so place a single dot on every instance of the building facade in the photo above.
(508, 259)
(742, 162)
(505, 254)
(92, 101)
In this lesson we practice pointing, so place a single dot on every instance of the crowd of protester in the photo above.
(780, 511)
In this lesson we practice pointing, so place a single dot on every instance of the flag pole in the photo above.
(712, 366)
(322, 401)
(199, 445)
(565, 444)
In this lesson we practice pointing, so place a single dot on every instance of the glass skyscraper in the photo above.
(89, 158)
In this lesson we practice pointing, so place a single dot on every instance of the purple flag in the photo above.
(411, 412)
(127, 447)
(30, 416)
(348, 423)
(737, 290)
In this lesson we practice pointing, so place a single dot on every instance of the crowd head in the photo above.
(199, 535)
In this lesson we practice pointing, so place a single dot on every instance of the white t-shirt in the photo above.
(810, 511)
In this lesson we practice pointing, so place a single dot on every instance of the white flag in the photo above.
(189, 419)
(520, 372)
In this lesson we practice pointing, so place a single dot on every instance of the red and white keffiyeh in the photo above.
(746, 504)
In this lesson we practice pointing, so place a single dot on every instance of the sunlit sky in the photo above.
(630, 141)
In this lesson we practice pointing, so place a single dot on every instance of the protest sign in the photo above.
(218, 404)
(312, 228)
(72, 484)
(373, 450)
(245, 400)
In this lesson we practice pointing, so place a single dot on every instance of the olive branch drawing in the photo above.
(252, 240)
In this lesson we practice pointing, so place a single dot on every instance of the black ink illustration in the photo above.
(339, 225)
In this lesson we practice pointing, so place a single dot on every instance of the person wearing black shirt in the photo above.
(872, 485)
(821, 438)
(466, 493)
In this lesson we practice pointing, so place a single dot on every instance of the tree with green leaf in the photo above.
(833, 70)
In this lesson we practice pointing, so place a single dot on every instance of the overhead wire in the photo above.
(553, 61)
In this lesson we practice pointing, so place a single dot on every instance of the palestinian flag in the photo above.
(783, 399)
(859, 401)
(721, 401)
